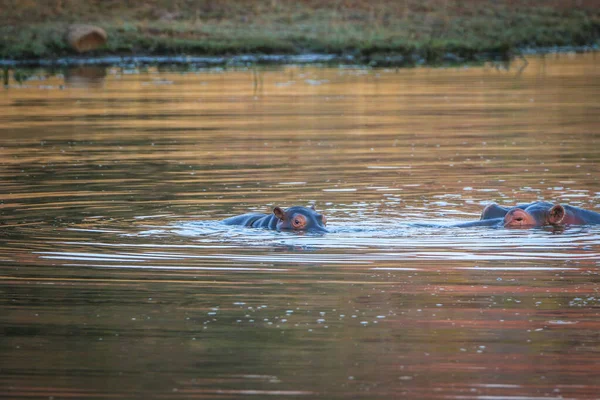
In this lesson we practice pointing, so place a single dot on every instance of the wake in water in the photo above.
(374, 240)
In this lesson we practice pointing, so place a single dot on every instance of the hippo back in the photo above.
(254, 220)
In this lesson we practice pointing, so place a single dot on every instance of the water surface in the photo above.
(117, 281)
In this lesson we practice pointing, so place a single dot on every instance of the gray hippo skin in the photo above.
(295, 218)
(493, 211)
(532, 215)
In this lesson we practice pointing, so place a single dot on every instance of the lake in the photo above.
(117, 280)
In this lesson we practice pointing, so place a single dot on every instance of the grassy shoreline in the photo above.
(375, 31)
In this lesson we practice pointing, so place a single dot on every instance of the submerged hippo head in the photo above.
(300, 219)
(538, 214)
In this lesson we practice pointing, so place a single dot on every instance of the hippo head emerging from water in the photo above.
(533, 216)
(541, 213)
(299, 218)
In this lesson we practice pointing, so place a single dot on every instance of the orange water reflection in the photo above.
(116, 284)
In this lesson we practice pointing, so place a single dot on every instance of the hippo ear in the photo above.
(312, 206)
(279, 213)
(556, 214)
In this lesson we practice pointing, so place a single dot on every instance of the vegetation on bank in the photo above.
(366, 29)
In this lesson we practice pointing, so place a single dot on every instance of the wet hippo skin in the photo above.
(493, 210)
(295, 218)
(533, 215)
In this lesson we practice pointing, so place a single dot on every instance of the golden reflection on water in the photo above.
(117, 281)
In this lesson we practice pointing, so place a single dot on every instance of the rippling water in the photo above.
(118, 281)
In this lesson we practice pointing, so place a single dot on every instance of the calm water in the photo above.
(116, 281)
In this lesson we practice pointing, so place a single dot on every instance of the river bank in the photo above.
(277, 31)
(382, 60)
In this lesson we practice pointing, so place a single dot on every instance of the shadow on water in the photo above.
(118, 281)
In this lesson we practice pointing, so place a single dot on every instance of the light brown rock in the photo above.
(85, 37)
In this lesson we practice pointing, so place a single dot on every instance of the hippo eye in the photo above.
(519, 219)
(299, 222)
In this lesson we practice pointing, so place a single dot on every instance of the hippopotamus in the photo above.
(493, 210)
(295, 218)
(535, 214)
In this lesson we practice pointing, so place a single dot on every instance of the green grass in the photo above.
(367, 29)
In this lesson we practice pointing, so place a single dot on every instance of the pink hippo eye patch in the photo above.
(299, 221)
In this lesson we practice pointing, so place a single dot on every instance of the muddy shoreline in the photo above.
(381, 60)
